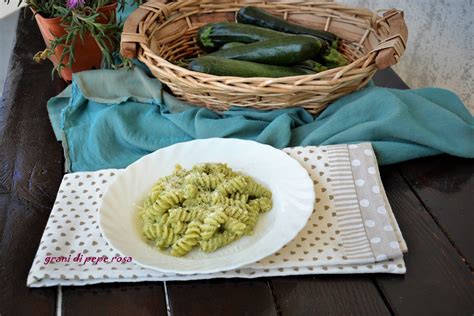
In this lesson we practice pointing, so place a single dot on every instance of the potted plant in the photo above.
(79, 34)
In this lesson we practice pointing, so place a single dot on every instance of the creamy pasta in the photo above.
(208, 207)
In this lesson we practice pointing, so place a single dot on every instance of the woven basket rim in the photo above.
(367, 37)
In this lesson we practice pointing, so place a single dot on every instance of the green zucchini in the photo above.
(212, 36)
(332, 58)
(312, 66)
(259, 17)
(283, 51)
(232, 45)
(229, 67)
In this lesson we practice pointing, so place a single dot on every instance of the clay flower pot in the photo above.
(87, 53)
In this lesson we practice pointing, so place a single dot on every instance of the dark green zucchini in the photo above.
(212, 36)
(259, 17)
(283, 51)
(232, 45)
(332, 58)
(238, 68)
(312, 66)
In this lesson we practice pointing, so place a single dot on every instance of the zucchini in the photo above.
(232, 45)
(281, 51)
(332, 58)
(312, 66)
(212, 36)
(229, 67)
(259, 17)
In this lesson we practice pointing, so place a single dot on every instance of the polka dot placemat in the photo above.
(352, 228)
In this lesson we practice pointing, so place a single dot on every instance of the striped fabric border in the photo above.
(386, 241)
(355, 241)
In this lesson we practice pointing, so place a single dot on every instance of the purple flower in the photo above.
(71, 4)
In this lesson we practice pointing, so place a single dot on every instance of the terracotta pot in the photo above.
(87, 54)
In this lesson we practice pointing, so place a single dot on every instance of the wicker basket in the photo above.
(163, 34)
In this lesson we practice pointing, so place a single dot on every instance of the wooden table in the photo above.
(432, 199)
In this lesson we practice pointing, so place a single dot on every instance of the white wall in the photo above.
(440, 48)
(6, 9)
(7, 35)
(8, 21)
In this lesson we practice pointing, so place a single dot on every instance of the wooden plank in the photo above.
(437, 281)
(389, 79)
(445, 185)
(328, 295)
(21, 229)
(31, 164)
(115, 299)
(221, 297)
(32, 160)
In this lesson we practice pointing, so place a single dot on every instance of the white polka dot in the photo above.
(376, 240)
(352, 146)
(369, 223)
(381, 210)
(364, 203)
(371, 170)
(388, 228)
(355, 162)
(360, 182)
(376, 189)
(381, 257)
(394, 244)
(368, 152)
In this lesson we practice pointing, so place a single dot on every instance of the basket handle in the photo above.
(393, 46)
(131, 35)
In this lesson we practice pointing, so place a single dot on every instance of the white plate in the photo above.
(291, 186)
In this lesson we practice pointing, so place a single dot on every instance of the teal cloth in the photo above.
(108, 119)
(126, 10)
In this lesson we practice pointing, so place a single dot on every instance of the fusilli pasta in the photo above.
(208, 207)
